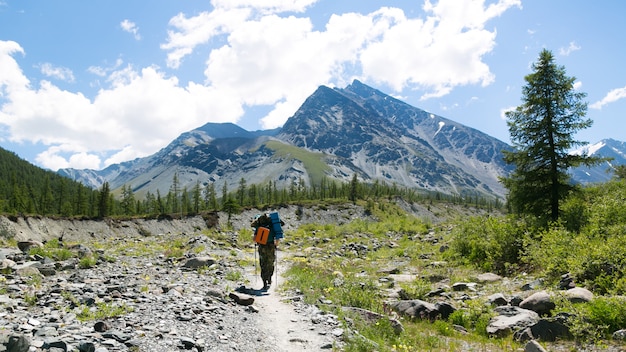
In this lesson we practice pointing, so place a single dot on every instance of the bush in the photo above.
(475, 316)
(491, 244)
(596, 319)
(87, 262)
(595, 261)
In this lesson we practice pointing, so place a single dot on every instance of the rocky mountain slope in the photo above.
(335, 134)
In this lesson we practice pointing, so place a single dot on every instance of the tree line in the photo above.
(26, 189)
(213, 197)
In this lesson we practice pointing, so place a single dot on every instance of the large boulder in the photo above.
(539, 302)
(578, 295)
(510, 319)
(546, 330)
(419, 309)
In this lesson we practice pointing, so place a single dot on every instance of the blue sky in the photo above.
(86, 84)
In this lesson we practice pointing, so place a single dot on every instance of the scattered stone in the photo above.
(497, 299)
(488, 277)
(199, 262)
(620, 335)
(241, 299)
(26, 246)
(534, 285)
(534, 346)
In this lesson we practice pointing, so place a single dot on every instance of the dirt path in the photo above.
(293, 325)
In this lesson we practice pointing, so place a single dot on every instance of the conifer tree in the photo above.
(103, 200)
(542, 132)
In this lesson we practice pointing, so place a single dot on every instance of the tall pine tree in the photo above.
(542, 132)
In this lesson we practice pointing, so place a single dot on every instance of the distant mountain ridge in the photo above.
(606, 148)
(335, 134)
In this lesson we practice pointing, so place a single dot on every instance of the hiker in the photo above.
(268, 232)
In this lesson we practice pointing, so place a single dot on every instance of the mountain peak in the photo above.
(335, 134)
(222, 130)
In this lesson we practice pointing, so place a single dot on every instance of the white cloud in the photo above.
(142, 107)
(104, 71)
(577, 85)
(191, 32)
(11, 76)
(438, 53)
(505, 110)
(265, 6)
(570, 49)
(611, 97)
(273, 60)
(60, 73)
(259, 57)
(53, 158)
(131, 28)
(281, 61)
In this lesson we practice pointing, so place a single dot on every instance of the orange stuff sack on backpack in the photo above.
(261, 235)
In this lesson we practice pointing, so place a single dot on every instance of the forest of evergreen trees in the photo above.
(29, 190)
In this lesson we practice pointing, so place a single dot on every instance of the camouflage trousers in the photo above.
(267, 257)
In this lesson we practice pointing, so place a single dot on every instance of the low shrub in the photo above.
(488, 243)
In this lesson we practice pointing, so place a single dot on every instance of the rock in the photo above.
(13, 342)
(539, 302)
(199, 262)
(101, 326)
(488, 277)
(567, 282)
(373, 317)
(423, 310)
(546, 330)
(510, 319)
(86, 347)
(445, 309)
(534, 346)
(533, 285)
(515, 300)
(497, 299)
(619, 335)
(47, 270)
(463, 286)
(26, 246)
(578, 295)
(6, 263)
(241, 299)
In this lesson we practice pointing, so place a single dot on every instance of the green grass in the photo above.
(588, 243)
(101, 311)
(333, 277)
(313, 162)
